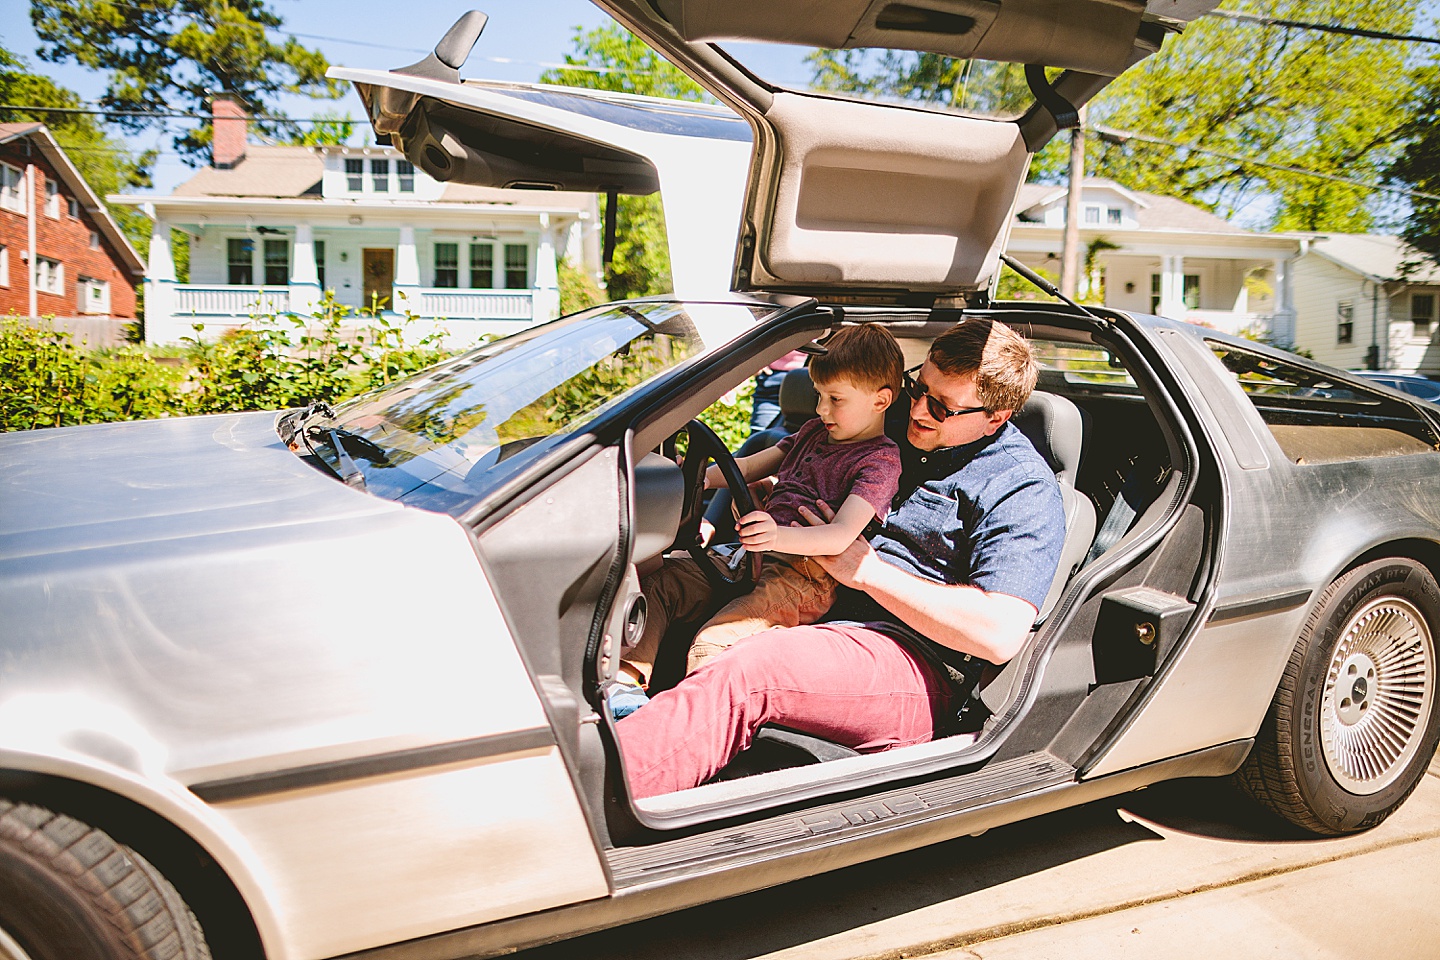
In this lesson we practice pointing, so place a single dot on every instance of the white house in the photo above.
(272, 227)
(1171, 259)
(1358, 305)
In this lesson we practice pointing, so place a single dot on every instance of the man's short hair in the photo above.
(865, 354)
(1001, 361)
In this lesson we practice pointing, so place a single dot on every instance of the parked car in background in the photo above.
(1413, 384)
(332, 682)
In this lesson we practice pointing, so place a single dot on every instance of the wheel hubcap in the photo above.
(1378, 690)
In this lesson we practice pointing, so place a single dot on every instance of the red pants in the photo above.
(845, 683)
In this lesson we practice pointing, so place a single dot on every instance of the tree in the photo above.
(612, 58)
(105, 163)
(326, 130)
(1316, 101)
(1418, 165)
(168, 55)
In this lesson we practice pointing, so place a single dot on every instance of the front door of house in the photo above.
(379, 267)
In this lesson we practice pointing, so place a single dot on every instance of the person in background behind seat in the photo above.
(953, 580)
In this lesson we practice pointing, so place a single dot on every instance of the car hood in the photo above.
(112, 485)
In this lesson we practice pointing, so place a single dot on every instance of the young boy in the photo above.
(843, 457)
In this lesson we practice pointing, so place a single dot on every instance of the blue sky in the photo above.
(522, 38)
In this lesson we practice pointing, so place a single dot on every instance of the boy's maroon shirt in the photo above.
(816, 469)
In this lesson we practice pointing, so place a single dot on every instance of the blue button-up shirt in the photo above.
(988, 514)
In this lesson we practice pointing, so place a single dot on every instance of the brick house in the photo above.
(55, 230)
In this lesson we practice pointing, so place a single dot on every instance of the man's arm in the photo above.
(992, 626)
(758, 531)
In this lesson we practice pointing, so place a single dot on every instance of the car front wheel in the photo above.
(1355, 720)
(69, 892)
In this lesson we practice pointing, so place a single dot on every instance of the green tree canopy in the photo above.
(1418, 165)
(167, 55)
(326, 130)
(612, 58)
(105, 162)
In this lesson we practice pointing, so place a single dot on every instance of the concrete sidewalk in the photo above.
(1181, 870)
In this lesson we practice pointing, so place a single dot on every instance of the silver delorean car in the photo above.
(333, 682)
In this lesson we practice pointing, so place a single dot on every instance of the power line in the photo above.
(1322, 27)
(1121, 136)
(166, 114)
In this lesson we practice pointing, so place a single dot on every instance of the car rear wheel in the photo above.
(69, 892)
(1355, 720)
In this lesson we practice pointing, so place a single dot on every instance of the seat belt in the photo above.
(1124, 510)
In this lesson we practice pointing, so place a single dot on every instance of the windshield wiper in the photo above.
(344, 466)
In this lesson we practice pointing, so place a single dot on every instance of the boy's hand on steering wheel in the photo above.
(757, 531)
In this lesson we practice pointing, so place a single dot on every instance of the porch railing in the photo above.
(455, 304)
(222, 300)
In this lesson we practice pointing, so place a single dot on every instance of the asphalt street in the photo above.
(1181, 870)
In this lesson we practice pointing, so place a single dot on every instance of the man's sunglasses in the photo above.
(938, 411)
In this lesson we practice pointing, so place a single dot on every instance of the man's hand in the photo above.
(848, 564)
(757, 531)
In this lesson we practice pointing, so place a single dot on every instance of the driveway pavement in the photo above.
(1181, 870)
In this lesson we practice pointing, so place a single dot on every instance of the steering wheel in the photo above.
(738, 574)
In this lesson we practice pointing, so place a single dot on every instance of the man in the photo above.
(954, 579)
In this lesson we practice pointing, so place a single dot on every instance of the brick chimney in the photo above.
(230, 121)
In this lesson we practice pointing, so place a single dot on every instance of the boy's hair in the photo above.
(1001, 361)
(865, 354)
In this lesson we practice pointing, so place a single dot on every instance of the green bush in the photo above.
(271, 363)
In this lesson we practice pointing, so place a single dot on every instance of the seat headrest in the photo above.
(1056, 427)
(797, 398)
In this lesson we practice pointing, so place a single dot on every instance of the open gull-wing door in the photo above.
(885, 201)
(542, 137)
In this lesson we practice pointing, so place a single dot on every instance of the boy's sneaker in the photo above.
(625, 699)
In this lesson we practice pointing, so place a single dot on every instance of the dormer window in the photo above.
(405, 173)
(380, 176)
(355, 175)
(1114, 216)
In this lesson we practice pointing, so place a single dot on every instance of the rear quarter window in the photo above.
(1316, 419)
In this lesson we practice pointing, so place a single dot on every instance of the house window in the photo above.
(277, 263)
(74, 208)
(4, 266)
(320, 262)
(240, 259)
(94, 295)
(380, 176)
(52, 199)
(49, 275)
(355, 175)
(1092, 214)
(447, 264)
(1114, 215)
(1422, 313)
(1345, 321)
(12, 188)
(482, 266)
(405, 170)
(517, 266)
(94, 240)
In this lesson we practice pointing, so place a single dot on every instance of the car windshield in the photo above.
(445, 436)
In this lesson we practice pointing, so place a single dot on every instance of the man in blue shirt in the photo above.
(953, 580)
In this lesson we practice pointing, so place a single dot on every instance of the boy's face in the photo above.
(851, 412)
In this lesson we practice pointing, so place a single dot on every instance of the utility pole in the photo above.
(1070, 255)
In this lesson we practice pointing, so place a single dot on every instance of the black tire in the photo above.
(70, 892)
(1355, 720)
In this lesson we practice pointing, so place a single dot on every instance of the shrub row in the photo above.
(271, 363)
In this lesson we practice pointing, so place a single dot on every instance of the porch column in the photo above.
(160, 295)
(1282, 326)
(545, 297)
(1172, 286)
(407, 273)
(304, 278)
